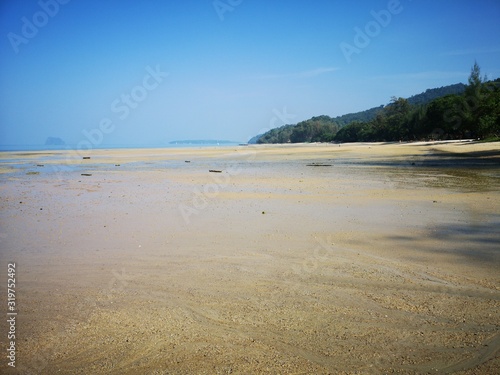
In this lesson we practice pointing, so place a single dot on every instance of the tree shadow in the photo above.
(434, 158)
(449, 159)
(470, 242)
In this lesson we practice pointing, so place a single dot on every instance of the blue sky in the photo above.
(225, 69)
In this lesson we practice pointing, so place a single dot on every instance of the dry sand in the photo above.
(383, 260)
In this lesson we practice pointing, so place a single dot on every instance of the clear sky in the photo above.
(146, 72)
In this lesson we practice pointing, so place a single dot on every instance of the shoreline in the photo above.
(239, 145)
(182, 150)
(446, 154)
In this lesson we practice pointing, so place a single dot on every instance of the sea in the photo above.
(14, 148)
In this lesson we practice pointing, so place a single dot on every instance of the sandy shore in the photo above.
(294, 259)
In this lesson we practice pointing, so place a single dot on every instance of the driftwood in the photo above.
(86, 174)
(215, 171)
(86, 157)
(319, 165)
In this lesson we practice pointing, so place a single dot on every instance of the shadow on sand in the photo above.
(458, 159)
(469, 242)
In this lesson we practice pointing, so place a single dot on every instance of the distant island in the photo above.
(203, 142)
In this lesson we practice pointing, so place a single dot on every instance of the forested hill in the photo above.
(325, 127)
(426, 97)
(362, 116)
(472, 113)
(430, 94)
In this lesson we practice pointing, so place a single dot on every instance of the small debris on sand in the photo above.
(318, 165)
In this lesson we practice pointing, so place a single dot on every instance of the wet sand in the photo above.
(295, 259)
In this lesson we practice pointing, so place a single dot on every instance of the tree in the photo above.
(444, 118)
(473, 98)
(474, 80)
(350, 133)
(488, 113)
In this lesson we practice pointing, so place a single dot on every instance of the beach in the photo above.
(281, 259)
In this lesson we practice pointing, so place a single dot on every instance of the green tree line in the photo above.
(474, 112)
(316, 129)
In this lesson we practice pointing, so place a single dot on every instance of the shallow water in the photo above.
(460, 180)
